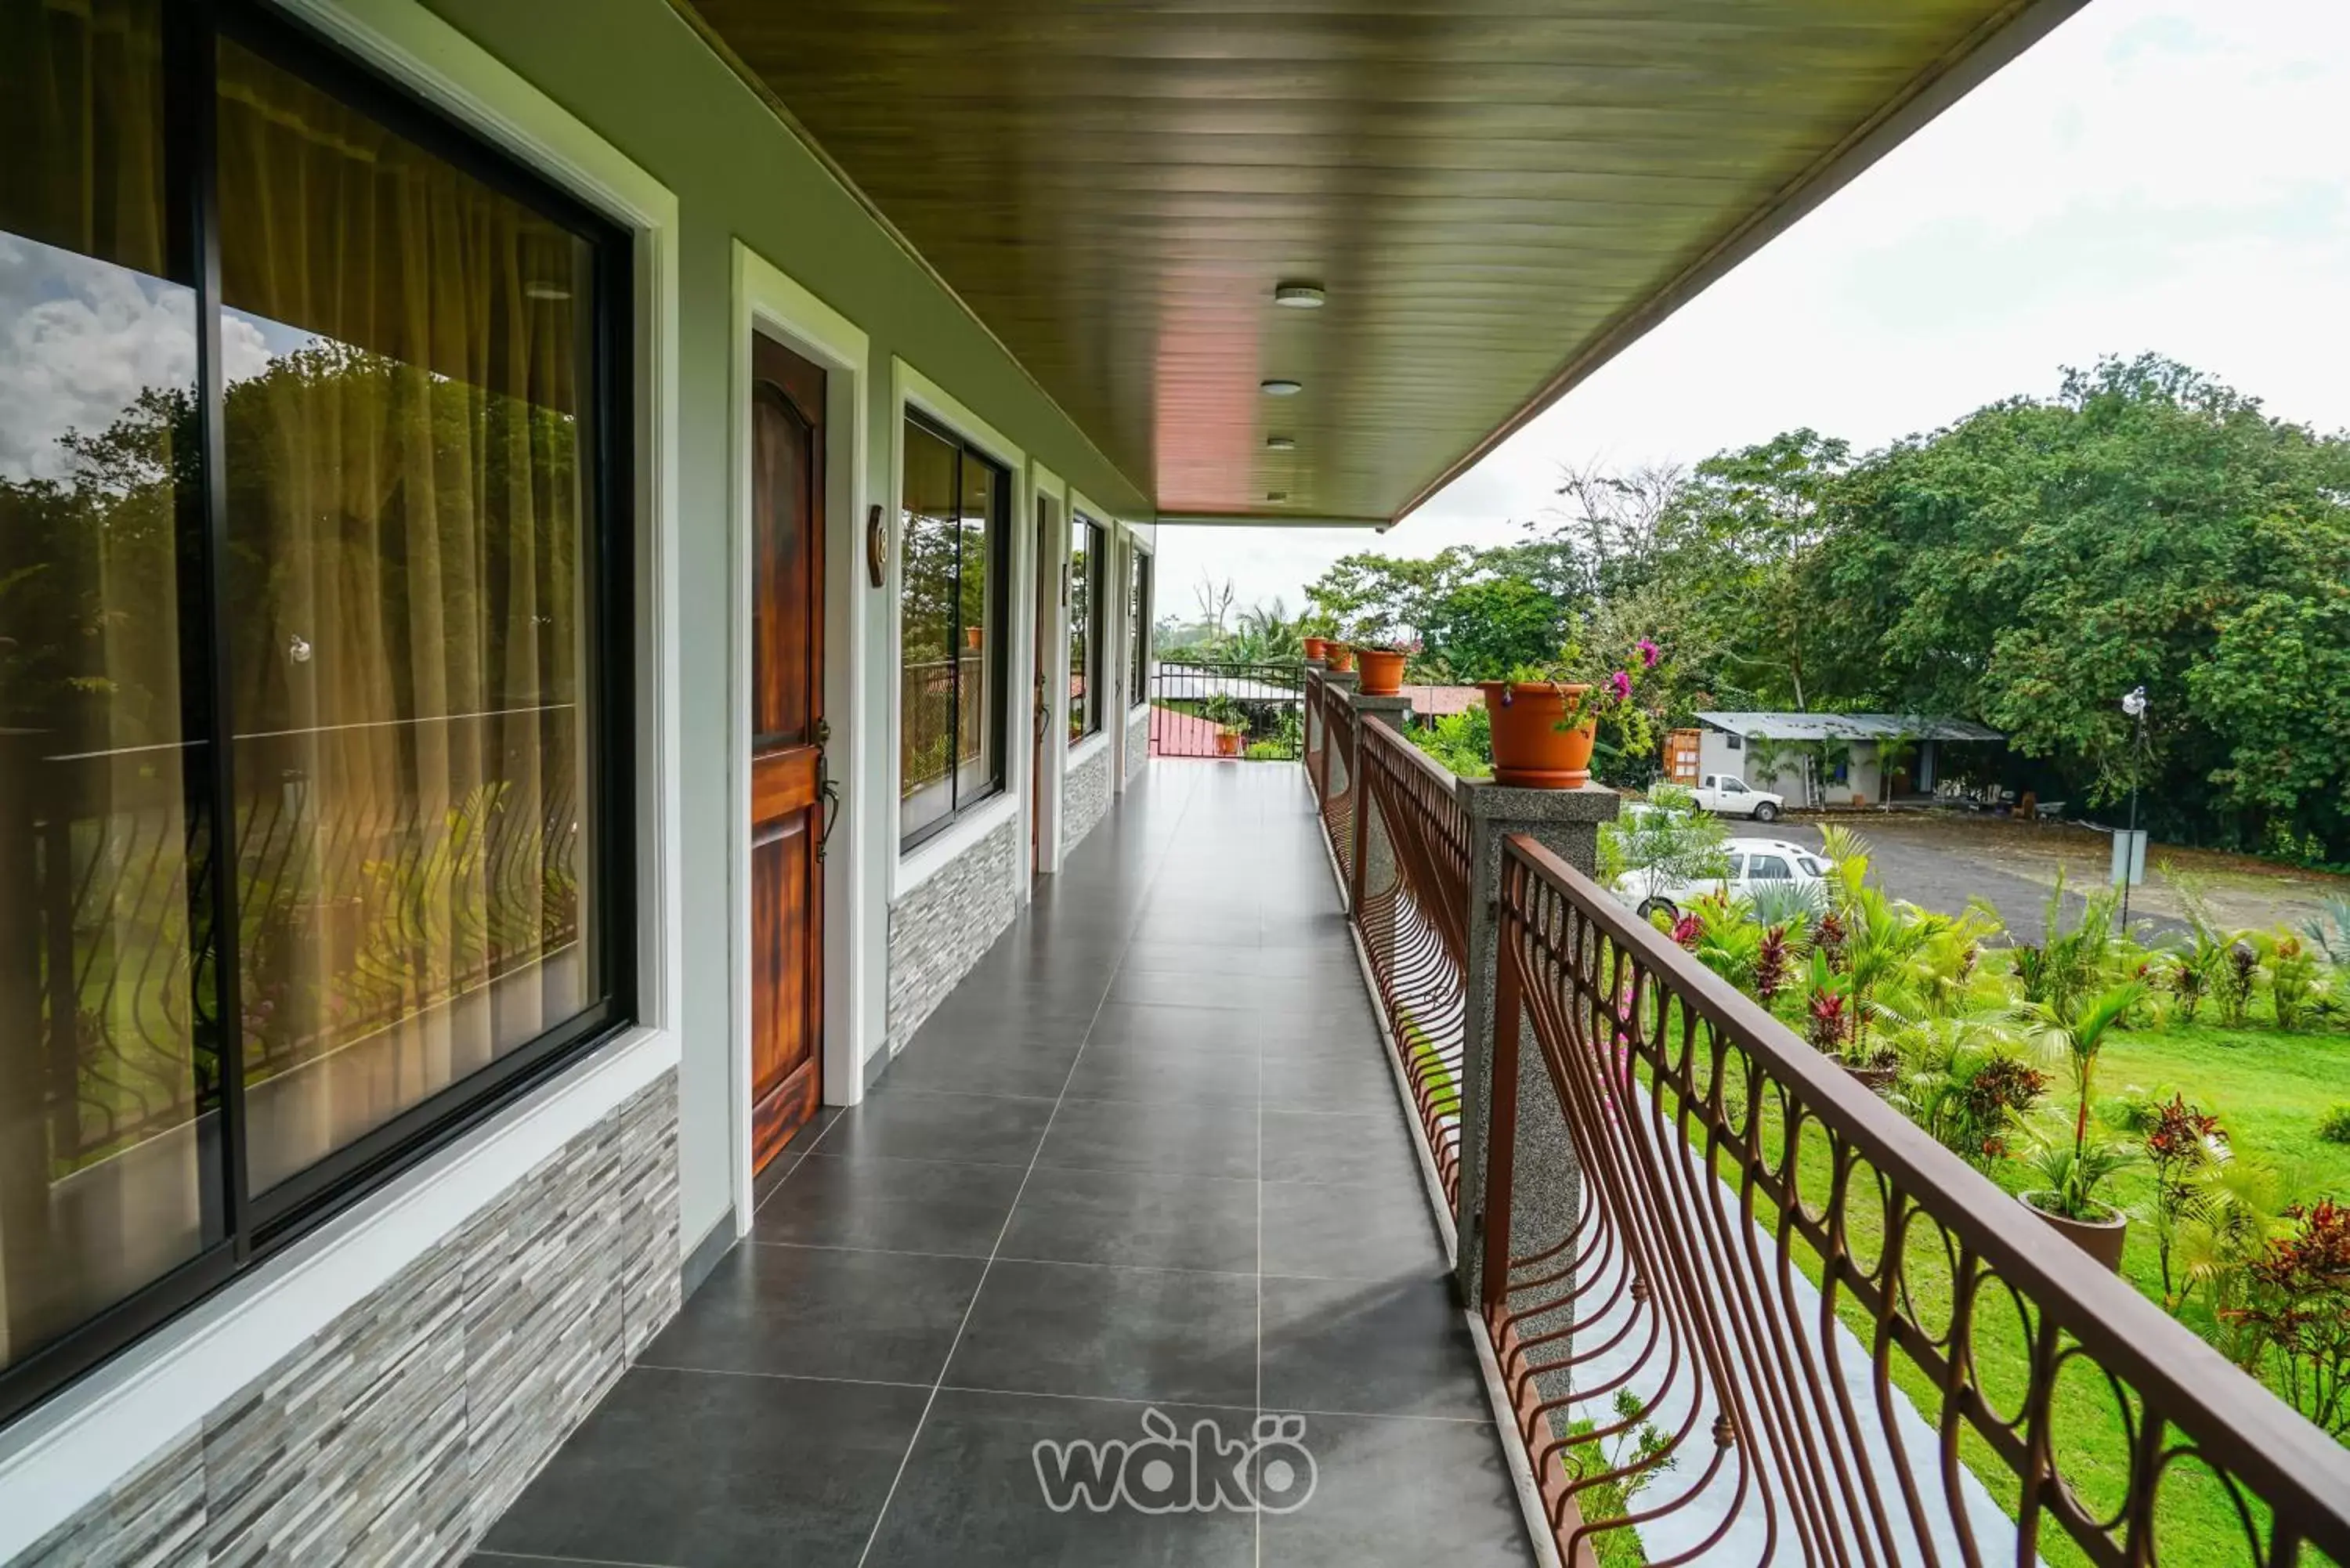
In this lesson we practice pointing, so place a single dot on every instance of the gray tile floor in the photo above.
(1148, 1156)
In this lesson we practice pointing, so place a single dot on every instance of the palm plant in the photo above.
(2183, 1143)
(1965, 1084)
(1847, 856)
(2069, 1175)
(1728, 942)
(1945, 973)
(2238, 1207)
(1882, 937)
(2073, 956)
(2074, 1033)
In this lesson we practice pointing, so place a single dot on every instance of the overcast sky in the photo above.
(2165, 175)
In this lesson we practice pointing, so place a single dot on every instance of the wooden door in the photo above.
(788, 783)
(1040, 718)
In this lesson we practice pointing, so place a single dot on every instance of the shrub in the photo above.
(2236, 983)
(2181, 1142)
(2293, 979)
(1462, 742)
(2300, 1306)
(2333, 1126)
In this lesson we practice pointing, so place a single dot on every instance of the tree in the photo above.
(2147, 526)
(1476, 612)
(1215, 603)
(1668, 841)
(1753, 520)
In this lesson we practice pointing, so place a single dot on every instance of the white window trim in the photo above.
(106, 1426)
(769, 301)
(910, 390)
(1140, 546)
(1102, 640)
(1089, 748)
(1043, 485)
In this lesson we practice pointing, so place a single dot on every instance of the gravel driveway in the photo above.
(1940, 866)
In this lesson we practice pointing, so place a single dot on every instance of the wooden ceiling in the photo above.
(1496, 195)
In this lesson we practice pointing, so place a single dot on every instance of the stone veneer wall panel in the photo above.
(399, 1433)
(1138, 742)
(1086, 800)
(941, 929)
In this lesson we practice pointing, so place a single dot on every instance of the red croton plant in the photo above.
(2300, 1308)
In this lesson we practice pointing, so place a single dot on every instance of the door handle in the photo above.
(827, 790)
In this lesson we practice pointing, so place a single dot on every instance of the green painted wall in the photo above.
(636, 74)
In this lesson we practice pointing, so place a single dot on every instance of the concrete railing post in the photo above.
(1546, 1180)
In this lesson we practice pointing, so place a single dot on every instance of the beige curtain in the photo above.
(100, 1181)
(407, 507)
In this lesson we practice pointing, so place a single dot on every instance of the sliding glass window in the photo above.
(1138, 631)
(1088, 564)
(309, 837)
(951, 614)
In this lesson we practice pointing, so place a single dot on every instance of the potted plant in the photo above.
(1546, 717)
(971, 634)
(1341, 657)
(1317, 647)
(1380, 649)
(1230, 721)
(2065, 1197)
(2072, 1170)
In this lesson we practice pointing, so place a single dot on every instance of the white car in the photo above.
(1754, 863)
(1732, 796)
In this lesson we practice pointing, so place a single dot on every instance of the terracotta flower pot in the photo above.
(1875, 1080)
(1341, 657)
(1382, 671)
(1530, 749)
(971, 637)
(1317, 647)
(1228, 742)
(2101, 1238)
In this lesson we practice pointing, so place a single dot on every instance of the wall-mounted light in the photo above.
(1281, 443)
(1281, 388)
(1299, 296)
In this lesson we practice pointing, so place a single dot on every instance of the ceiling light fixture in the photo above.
(1281, 443)
(1299, 296)
(1281, 388)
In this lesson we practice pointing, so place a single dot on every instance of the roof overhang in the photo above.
(1848, 727)
(1497, 197)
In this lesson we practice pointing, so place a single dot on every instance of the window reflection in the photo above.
(405, 520)
(950, 695)
(1085, 618)
(105, 1077)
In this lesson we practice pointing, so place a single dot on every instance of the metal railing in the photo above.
(1208, 708)
(1334, 782)
(942, 708)
(1411, 901)
(1780, 1324)
(1752, 1313)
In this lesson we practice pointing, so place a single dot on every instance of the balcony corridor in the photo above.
(1149, 1154)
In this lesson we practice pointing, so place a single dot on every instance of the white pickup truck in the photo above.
(1730, 795)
